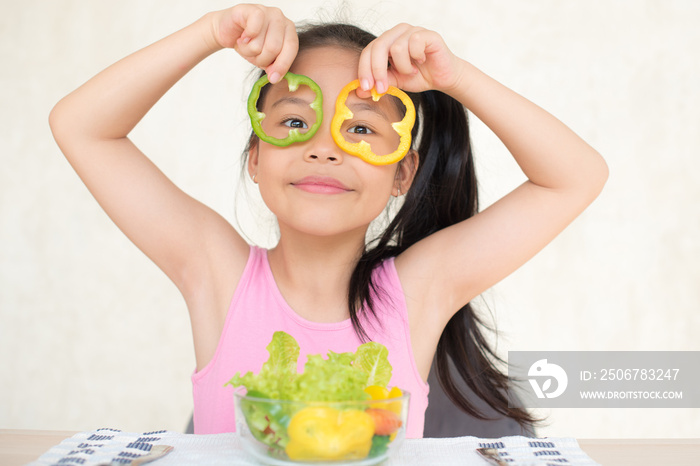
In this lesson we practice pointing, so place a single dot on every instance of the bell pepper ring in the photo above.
(256, 117)
(363, 149)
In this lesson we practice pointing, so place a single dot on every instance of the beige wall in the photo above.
(93, 335)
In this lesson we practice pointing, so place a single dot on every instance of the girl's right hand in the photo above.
(262, 35)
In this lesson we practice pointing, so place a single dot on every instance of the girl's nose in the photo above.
(322, 148)
(322, 157)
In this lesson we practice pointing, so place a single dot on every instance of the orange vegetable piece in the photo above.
(385, 422)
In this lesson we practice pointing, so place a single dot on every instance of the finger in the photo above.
(377, 60)
(379, 65)
(417, 45)
(286, 55)
(401, 57)
(268, 34)
(254, 24)
(228, 25)
(272, 43)
(364, 70)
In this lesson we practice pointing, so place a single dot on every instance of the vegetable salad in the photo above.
(328, 412)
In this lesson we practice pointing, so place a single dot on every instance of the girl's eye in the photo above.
(295, 123)
(359, 129)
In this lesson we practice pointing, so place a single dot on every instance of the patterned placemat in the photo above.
(111, 446)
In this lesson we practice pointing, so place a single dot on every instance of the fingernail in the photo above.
(364, 84)
(274, 77)
(381, 87)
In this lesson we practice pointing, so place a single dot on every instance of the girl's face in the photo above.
(314, 187)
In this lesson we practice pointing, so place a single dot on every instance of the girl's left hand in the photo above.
(418, 59)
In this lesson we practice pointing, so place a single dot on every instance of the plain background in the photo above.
(93, 335)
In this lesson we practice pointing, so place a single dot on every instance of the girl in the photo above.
(323, 283)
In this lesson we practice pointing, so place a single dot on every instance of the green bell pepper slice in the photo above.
(256, 117)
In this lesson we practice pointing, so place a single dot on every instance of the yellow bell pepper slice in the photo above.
(362, 149)
(377, 392)
(319, 433)
(383, 393)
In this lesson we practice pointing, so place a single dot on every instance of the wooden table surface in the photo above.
(643, 452)
(19, 447)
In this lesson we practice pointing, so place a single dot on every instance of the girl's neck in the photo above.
(313, 273)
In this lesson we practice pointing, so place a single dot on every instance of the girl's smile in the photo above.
(321, 185)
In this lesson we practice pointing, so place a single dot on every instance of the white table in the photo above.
(18, 447)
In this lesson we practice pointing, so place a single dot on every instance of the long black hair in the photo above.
(443, 193)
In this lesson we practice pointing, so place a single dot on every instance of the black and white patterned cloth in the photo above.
(105, 446)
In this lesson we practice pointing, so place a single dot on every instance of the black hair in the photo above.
(443, 193)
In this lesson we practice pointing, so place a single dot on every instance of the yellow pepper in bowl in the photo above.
(323, 433)
(383, 393)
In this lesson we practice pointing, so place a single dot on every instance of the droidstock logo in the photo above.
(547, 371)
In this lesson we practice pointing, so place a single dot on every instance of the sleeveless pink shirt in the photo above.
(258, 309)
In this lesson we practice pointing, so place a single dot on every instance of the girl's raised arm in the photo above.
(193, 245)
(565, 174)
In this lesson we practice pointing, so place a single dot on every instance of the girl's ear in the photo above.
(405, 173)
(253, 156)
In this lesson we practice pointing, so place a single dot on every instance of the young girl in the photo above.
(323, 283)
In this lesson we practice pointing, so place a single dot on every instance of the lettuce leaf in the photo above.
(339, 377)
(278, 374)
(332, 379)
(373, 359)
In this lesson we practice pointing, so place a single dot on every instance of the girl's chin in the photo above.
(320, 226)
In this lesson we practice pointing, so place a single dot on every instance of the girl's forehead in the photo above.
(328, 65)
(328, 54)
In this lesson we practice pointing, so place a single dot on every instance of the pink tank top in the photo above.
(258, 309)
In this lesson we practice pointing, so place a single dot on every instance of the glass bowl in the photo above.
(283, 432)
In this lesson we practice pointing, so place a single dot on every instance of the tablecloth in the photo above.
(111, 445)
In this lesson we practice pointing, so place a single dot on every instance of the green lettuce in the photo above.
(339, 377)
(278, 374)
(372, 359)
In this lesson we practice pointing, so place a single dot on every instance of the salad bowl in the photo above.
(289, 432)
(338, 410)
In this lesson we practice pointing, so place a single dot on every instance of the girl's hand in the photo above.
(262, 35)
(418, 60)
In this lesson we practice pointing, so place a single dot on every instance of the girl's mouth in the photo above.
(321, 185)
